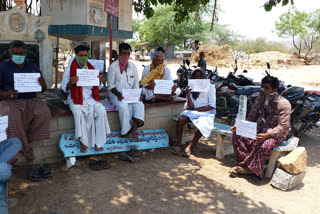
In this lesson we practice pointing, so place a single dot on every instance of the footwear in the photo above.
(175, 150)
(186, 154)
(233, 172)
(94, 165)
(44, 171)
(104, 164)
(125, 157)
(33, 174)
(134, 153)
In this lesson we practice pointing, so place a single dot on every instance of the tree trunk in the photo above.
(298, 48)
(213, 15)
(167, 46)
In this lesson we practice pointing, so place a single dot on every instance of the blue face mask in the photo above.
(18, 59)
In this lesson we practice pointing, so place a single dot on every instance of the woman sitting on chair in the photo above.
(200, 110)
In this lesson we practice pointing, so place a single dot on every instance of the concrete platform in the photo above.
(157, 116)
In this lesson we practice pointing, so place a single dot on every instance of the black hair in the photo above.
(124, 46)
(81, 48)
(16, 44)
(273, 81)
(201, 53)
(114, 51)
(160, 49)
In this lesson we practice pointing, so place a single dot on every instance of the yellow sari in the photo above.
(156, 73)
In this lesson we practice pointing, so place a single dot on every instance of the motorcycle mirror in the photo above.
(268, 65)
(184, 61)
(267, 73)
(236, 61)
(245, 71)
(188, 62)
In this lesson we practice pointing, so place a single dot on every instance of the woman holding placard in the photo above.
(200, 110)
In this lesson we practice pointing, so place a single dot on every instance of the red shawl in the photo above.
(76, 91)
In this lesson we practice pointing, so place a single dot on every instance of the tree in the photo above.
(162, 29)
(183, 8)
(303, 28)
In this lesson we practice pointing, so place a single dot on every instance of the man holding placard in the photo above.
(267, 126)
(124, 92)
(200, 110)
(157, 72)
(29, 117)
(83, 82)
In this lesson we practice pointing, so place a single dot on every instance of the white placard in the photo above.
(131, 95)
(88, 77)
(97, 64)
(199, 85)
(27, 82)
(163, 86)
(246, 129)
(3, 127)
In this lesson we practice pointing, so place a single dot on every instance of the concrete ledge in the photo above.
(157, 116)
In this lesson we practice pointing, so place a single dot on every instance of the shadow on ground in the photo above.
(158, 183)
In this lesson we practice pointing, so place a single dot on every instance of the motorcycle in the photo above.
(183, 74)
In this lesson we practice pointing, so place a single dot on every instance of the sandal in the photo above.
(104, 164)
(44, 171)
(175, 150)
(33, 174)
(186, 154)
(123, 156)
(94, 165)
(233, 171)
(134, 153)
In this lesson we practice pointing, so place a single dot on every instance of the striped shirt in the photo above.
(272, 116)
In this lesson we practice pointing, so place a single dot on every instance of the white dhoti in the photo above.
(91, 124)
(128, 112)
(204, 121)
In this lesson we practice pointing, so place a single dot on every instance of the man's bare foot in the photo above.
(134, 136)
(241, 163)
(98, 149)
(83, 148)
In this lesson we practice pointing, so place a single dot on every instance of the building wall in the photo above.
(73, 12)
(125, 15)
(18, 25)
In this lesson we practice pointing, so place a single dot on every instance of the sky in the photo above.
(248, 17)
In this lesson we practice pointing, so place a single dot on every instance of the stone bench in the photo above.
(4, 198)
(222, 131)
(157, 116)
(283, 149)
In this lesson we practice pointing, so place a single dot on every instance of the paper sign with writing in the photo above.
(97, 64)
(3, 127)
(163, 86)
(88, 77)
(199, 85)
(112, 7)
(131, 95)
(27, 82)
(246, 129)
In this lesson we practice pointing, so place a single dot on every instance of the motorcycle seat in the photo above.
(247, 90)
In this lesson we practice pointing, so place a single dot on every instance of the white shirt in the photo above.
(86, 91)
(167, 74)
(127, 80)
(205, 98)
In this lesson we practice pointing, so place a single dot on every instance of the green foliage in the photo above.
(260, 45)
(162, 28)
(303, 28)
(182, 8)
(221, 35)
(273, 3)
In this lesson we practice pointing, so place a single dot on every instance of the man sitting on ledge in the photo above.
(90, 116)
(272, 113)
(156, 71)
(29, 117)
(123, 74)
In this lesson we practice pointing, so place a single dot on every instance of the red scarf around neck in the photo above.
(76, 91)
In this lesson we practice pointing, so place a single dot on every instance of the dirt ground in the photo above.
(163, 183)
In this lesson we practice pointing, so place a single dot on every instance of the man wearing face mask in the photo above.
(272, 114)
(29, 117)
(90, 116)
(123, 74)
